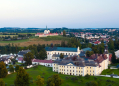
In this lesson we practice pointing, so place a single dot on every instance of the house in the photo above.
(47, 63)
(21, 53)
(5, 60)
(97, 42)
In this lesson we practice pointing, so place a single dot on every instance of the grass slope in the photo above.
(110, 71)
(47, 72)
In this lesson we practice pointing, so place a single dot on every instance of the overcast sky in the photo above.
(59, 13)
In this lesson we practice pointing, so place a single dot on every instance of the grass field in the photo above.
(110, 71)
(36, 40)
(47, 72)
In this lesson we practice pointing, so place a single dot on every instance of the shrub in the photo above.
(87, 76)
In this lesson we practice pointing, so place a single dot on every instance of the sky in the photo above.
(59, 13)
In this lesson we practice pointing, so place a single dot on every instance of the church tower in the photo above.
(78, 49)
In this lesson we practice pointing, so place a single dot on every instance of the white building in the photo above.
(52, 51)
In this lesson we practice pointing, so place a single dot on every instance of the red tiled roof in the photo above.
(98, 57)
(43, 61)
(20, 58)
(97, 42)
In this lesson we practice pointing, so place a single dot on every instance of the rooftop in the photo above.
(71, 49)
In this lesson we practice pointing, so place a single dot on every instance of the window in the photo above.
(87, 70)
(70, 67)
(67, 73)
(70, 70)
(90, 67)
(90, 71)
(79, 71)
(93, 71)
(73, 67)
(93, 74)
(67, 70)
(62, 69)
(66, 53)
(73, 70)
(87, 67)
(54, 67)
(67, 66)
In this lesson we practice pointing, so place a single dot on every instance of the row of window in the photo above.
(90, 71)
(63, 53)
(70, 67)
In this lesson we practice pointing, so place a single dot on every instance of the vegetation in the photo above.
(22, 78)
(40, 81)
(61, 56)
(3, 70)
(11, 68)
(89, 53)
(28, 58)
(55, 80)
(113, 59)
(2, 83)
(46, 72)
(17, 68)
(64, 33)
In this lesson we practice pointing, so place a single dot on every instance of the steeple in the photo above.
(78, 49)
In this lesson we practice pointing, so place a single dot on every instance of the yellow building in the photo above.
(76, 65)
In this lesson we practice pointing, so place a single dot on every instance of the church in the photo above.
(53, 53)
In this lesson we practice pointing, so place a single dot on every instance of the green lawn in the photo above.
(54, 38)
(47, 72)
(110, 71)
(27, 33)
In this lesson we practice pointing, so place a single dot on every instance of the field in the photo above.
(110, 71)
(36, 40)
(68, 80)
(8, 35)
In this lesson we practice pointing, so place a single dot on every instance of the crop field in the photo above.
(46, 72)
(8, 35)
(36, 40)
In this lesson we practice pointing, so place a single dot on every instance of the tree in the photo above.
(89, 53)
(11, 68)
(113, 59)
(55, 80)
(92, 83)
(2, 83)
(22, 78)
(61, 56)
(40, 81)
(17, 68)
(63, 44)
(28, 58)
(64, 33)
(3, 70)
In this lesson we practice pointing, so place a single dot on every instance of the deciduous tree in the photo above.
(40, 81)
(3, 70)
(55, 80)
(22, 78)
(113, 59)
(28, 58)
(2, 83)
(17, 68)
(64, 33)
(11, 68)
(61, 56)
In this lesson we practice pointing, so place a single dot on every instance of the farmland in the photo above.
(36, 40)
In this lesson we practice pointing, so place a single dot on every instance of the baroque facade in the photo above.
(77, 65)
